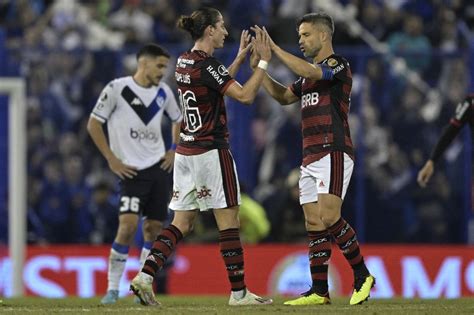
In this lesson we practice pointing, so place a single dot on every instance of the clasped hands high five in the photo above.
(261, 45)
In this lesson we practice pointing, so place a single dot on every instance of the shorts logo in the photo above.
(175, 194)
(204, 193)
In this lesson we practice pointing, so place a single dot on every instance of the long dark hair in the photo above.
(197, 22)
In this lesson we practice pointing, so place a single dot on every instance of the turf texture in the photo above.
(218, 305)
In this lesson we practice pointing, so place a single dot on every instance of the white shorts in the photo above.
(329, 175)
(205, 181)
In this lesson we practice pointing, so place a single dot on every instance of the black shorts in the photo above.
(148, 193)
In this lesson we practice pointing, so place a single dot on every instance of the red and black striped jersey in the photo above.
(324, 111)
(202, 81)
(464, 115)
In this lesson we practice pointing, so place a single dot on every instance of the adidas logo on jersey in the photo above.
(136, 102)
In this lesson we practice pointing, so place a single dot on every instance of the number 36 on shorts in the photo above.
(130, 204)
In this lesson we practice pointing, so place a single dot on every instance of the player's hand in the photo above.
(122, 170)
(425, 173)
(262, 43)
(167, 161)
(245, 45)
(254, 58)
(273, 46)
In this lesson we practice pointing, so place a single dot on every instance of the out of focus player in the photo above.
(133, 108)
(205, 176)
(324, 90)
(464, 115)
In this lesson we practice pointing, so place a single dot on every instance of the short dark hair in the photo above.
(152, 50)
(317, 18)
(197, 22)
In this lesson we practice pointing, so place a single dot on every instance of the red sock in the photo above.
(233, 255)
(162, 249)
(346, 239)
(319, 254)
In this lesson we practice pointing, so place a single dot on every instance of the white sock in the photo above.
(239, 294)
(143, 255)
(116, 266)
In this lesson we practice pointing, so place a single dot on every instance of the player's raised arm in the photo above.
(281, 93)
(298, 65)
(244, 47)
(464, 113)
(246, 93)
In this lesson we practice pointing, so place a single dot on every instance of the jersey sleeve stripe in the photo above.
(226, 86)
(292, 89)
(98, 117)
(177, 119)
(455, 123)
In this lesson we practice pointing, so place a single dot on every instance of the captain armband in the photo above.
(327, 72)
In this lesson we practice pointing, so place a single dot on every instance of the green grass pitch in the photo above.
(218, 305)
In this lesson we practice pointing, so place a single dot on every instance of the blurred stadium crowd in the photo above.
(412, 62)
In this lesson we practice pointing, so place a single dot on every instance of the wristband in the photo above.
(262, 64)
(173, 146)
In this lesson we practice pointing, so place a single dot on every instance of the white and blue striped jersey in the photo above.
(133, 114)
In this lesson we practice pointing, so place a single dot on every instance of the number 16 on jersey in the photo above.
(192, 118)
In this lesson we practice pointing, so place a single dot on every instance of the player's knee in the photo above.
(126, 231)
(151, 229)
(186, 228)
(329, 219)
(330, 212)
(312, 222)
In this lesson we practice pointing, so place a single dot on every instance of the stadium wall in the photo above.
(401, 270)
